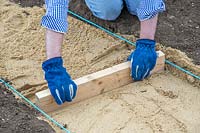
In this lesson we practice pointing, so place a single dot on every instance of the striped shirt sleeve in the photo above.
(148, 9)
(56, 15)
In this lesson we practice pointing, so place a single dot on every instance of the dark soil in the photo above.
(178, 27)
(16, 117)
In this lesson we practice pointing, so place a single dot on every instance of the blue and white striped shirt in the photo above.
(56, 12)
(56, 15)
(148, 9)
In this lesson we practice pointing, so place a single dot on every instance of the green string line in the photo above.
(34, 106)
(182, 69)
(129, 42)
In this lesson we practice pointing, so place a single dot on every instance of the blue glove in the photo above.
(143, 59)
(61, 86)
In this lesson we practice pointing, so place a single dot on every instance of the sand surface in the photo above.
(163, 103)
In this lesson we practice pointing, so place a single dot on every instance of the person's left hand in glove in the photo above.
(143, 59)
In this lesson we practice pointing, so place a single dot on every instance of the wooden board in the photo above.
(96, 83)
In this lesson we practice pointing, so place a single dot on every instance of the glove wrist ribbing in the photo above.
(53, 62)
(145, 43)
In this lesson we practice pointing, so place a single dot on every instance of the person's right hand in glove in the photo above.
(61, 86)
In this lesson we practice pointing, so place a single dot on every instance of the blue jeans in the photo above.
(111, 9)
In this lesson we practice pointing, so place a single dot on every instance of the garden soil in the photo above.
(16, 117)
(162, 103)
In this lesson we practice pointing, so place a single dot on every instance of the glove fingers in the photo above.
(133, 66)
(74, 86)
(61, 92)
(139, 72)
(146, 74)
(149, 66)
(70, 91)
(137, 69)
(56, 95)
(136, 72)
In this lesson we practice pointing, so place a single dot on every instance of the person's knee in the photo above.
(108, 10)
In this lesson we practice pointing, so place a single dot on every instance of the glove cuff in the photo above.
(145, 42)
(53, 62)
